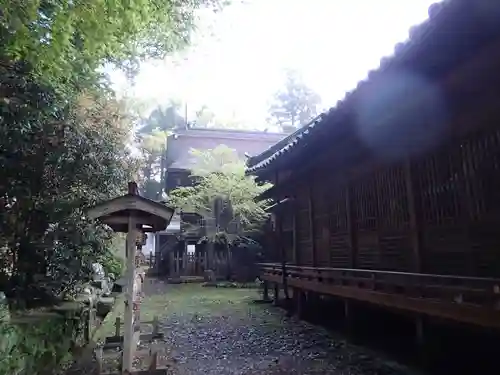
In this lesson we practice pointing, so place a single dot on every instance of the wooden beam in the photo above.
(413, 217)
(465, 313)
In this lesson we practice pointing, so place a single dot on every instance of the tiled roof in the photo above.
(447, 20)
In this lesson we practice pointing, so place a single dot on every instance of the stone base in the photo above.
(117, 341)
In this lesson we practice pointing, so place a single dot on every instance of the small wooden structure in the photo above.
(171, 254)
(131, 213)
(394, 193)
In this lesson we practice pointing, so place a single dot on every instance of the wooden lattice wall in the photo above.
(458, 200)
(305, 254)
(380, 220)
(439, 213)
(287, 232)
(435, 213)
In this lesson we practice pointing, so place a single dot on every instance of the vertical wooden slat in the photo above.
(295, 231)
(350, 225)
(414, 222)
(312, 233)
(172, 261)
(281, 244)
(184, 257)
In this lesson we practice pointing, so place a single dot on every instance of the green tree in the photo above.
(152, 172)
(225, 197)
(295, 104)
(64, 139)
(57, 157)
(152, 141)
(206, 118)
(67, 41)
(221, 174)
(163, 118)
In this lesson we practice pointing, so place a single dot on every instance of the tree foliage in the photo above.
(67, 41)
(163, 118)
(220, 177)
(64, 144)
(152, 138)
(207, 118)
(57, 158)
(295, 104)
(39, 347)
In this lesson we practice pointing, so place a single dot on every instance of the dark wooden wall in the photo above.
(177, 178)
(436, 213)
(458, 201)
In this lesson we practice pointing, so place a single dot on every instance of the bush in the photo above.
(40, 348)
(112, 264)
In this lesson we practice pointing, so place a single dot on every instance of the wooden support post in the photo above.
(153, 357)
(276, 293)
(184, 258)
(266, 290)
(295, 232)
(99, 358)
(118, 324)
(299, 297)
(156, 326)
(419, 331)
(129, 344)
(348, 316)
(157, 251)
(281, 244)
(413, 216)
(313, 303)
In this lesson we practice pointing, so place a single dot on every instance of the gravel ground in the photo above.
(222, 331)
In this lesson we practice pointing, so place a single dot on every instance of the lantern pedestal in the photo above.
(132, 214)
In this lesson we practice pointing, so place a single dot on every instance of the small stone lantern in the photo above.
(129, 214)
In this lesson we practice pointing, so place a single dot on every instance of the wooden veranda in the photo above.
(472, 300)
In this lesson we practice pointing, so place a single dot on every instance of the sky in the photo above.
(236, 63)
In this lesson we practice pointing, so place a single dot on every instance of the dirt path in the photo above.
(220, 331)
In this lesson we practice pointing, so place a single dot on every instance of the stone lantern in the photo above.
(131, 214)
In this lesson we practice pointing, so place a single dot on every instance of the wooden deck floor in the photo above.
(462, 299)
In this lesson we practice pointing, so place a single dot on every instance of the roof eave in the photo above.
(259, 163)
